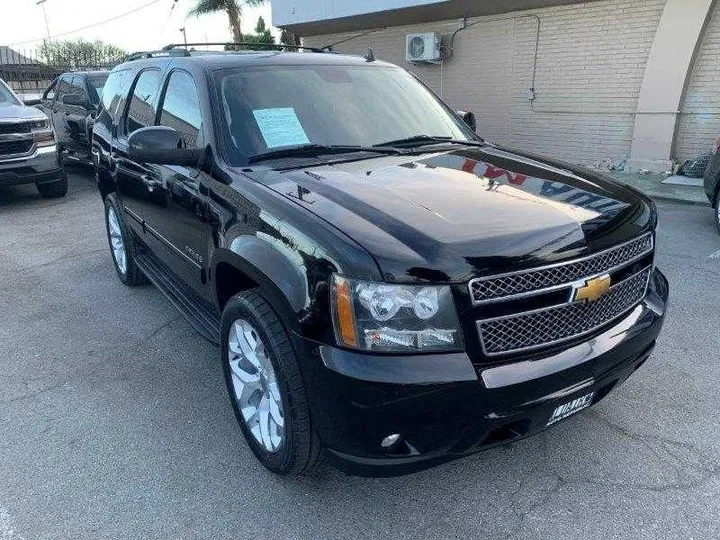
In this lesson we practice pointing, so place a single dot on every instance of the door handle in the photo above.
(151, 181)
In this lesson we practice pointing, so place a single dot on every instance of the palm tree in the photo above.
(231, 7)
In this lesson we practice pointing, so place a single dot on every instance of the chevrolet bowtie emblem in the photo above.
(592, 289)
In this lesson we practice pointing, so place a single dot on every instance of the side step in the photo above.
(202, 316)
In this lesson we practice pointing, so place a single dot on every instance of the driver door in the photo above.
(76, 117)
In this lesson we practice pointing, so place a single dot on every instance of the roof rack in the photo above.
(230, 46)
(153, 54)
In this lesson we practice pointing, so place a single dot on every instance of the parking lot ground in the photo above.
(114, 420)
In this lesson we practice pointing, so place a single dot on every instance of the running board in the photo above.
(203, 317)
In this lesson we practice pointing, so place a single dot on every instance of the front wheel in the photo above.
(717, 212)
(265, 386)
(53, 190)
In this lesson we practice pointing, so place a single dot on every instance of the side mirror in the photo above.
(162, 145)
(31, 102)
(76, 100)
(468, 118)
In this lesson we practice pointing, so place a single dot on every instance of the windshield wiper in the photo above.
(425, 140)
(313, 150)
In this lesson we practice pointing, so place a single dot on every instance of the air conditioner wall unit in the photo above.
(423, 48)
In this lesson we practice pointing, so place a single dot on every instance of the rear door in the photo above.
(110, 110)
(138, 183)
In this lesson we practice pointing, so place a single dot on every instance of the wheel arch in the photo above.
(250, 263)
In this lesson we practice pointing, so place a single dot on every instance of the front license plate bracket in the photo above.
(570, 408)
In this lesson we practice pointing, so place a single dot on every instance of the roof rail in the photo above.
(153, 54)
(230, 46)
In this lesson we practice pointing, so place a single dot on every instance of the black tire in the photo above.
(132, 276)
(300, 448)
(717, 211)
(53, 190)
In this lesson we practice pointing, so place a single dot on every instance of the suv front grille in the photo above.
(11, 128)
(9, 148)
(529, 282)
(548, 326)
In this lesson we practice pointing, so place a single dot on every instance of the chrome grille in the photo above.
(11, 128)
(528, 282)
(9, 148)
(540, 328)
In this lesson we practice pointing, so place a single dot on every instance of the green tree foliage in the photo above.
(263, 35)
(231, 7)
(80, 53)
(288, 38)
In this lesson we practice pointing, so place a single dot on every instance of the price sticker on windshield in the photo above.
(280, 127)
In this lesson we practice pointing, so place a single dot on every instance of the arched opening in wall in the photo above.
(699, 121)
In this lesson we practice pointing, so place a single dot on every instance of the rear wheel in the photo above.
(265, 386)
(717, 213)
(121, 242)
(53, 190)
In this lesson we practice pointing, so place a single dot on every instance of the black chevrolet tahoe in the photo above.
(386, 288)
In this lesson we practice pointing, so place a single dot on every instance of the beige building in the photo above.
(583, 81)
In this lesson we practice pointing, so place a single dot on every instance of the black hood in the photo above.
(451, 216)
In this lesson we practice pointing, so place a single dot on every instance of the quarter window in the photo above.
(114, 90)
(141, 112)
(181, 108)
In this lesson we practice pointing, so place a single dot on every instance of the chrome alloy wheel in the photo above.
(256, 388)
(117, 245)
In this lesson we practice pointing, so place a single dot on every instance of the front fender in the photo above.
(267, 264)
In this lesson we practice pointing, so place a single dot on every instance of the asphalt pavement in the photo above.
(115, 423)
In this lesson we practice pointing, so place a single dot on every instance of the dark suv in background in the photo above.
(71, 102)
(385, 287)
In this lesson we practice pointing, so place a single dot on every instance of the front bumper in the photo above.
(445, 407)
(42, 166)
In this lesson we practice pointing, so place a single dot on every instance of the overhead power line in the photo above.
(88, 26)
(167, 19)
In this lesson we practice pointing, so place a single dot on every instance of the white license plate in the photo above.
(568, 409)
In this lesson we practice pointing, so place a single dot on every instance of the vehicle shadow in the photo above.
(80, 179)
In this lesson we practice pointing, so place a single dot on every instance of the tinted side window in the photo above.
(63, 86)
(77, 86)
(140, 111)
(114, 90)
(181, 108)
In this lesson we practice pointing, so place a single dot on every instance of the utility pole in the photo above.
(184, 36)
(41, 3)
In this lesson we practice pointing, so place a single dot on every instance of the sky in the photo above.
(149, 28)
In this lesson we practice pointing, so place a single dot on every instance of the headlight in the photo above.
(393, 318)
(43, 133)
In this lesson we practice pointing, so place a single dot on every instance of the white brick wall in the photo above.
(699, 123)
(591, 61)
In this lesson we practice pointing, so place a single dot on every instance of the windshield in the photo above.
(98, 82)
(272, 107)
(6, 96)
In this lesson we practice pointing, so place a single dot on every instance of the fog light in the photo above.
(390, 441)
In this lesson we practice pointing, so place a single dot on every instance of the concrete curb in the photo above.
(676, 200)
